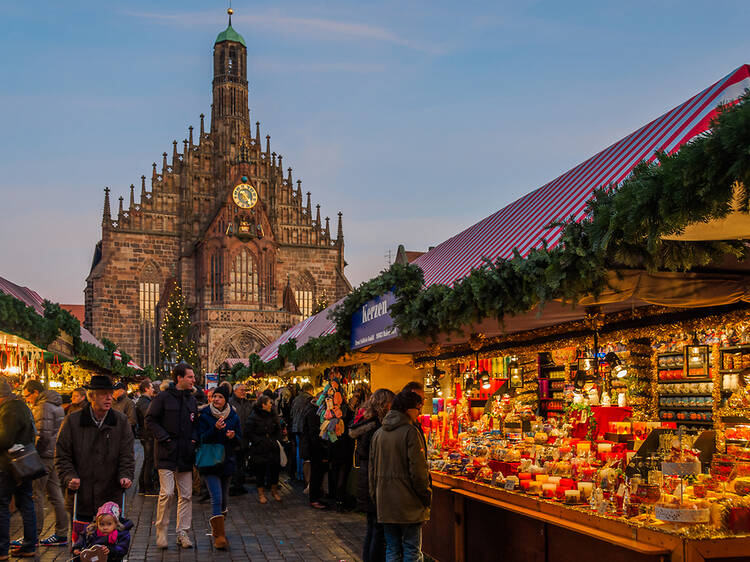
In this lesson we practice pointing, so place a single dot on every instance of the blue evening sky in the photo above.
(414, 118)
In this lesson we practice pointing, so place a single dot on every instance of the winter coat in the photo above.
(172, 418)
(16, 426)
(298, 409)
(263, 433)
(126, 406)
(243, 407)
(314, 448)
(73, 408)
(117, 550)
(48, 416)
(141, 407)
(99, 457)
(363, 431)
(208, 433)
(342, 451)
(398, 473)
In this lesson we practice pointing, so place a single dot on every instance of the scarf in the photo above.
(111, 538)
(220, 413)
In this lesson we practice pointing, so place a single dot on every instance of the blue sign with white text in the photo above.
(373, 323)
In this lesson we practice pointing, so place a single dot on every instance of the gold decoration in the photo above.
(476, 341)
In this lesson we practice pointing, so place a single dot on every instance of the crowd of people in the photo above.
(215, 443)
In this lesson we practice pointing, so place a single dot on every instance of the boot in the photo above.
(161, 536)
(217, 530)
(275, 492)
(262, 496)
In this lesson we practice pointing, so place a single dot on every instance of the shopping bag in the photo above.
(209, 455)
(282, 455)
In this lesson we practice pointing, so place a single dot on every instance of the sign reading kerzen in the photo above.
(373, 323)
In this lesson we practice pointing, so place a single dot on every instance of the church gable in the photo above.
(233, 251)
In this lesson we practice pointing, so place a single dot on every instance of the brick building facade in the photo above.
(224, 220)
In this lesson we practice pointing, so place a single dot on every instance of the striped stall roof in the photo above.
(313, 327)
(31, 298)
(524, 223)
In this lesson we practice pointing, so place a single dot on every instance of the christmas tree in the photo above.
(175, 331)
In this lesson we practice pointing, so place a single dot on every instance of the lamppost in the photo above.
(170, 362)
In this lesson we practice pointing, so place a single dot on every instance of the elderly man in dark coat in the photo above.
(94, 455)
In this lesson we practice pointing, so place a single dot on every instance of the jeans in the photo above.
(138, 457)
(298, 441)
(48, 488)
(267, 474)
(146, 482)
(403, 543)
(25, 504)
(218, 488)
(374, 547)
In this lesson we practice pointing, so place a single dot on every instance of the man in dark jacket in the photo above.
(123, 404)
(298, 408)
(243, 407)
(16, 427)
(46, 405)
(172, 419)
(94, 456)
(77, 401)
(317, 451)
(146, 481)
(400, 479)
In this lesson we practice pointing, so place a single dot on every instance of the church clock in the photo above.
(244, 195)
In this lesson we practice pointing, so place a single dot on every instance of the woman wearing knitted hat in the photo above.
(219, 424)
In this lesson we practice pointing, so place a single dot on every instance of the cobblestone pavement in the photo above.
(289, 530)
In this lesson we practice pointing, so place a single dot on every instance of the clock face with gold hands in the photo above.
(245, 196)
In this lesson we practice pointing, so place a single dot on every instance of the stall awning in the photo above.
(524, 224)
(313, 327)
(31, 298)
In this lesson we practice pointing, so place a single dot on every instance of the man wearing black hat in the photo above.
(94, 456)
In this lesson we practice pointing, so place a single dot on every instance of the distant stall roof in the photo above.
(313, 327)
(31, 298)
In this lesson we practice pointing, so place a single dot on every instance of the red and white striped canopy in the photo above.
(132, 364)
(524, 223)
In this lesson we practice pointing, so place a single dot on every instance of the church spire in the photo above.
(106, 214)
(143, 189)
(132, 197)
(230, 114)
(340, 233)
(121, 212)
(309, 207)
(317, 215)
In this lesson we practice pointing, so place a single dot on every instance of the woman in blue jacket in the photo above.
(219, 423)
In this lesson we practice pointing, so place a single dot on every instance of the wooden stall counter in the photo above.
(472, 521)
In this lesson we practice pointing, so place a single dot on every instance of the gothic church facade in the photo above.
(225, 221)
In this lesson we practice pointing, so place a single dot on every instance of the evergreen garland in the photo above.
(175, 331)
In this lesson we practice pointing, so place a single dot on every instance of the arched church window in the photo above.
(304, 293)
(244, 278)
(216, 281)
(232, 61)
(148, 297)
